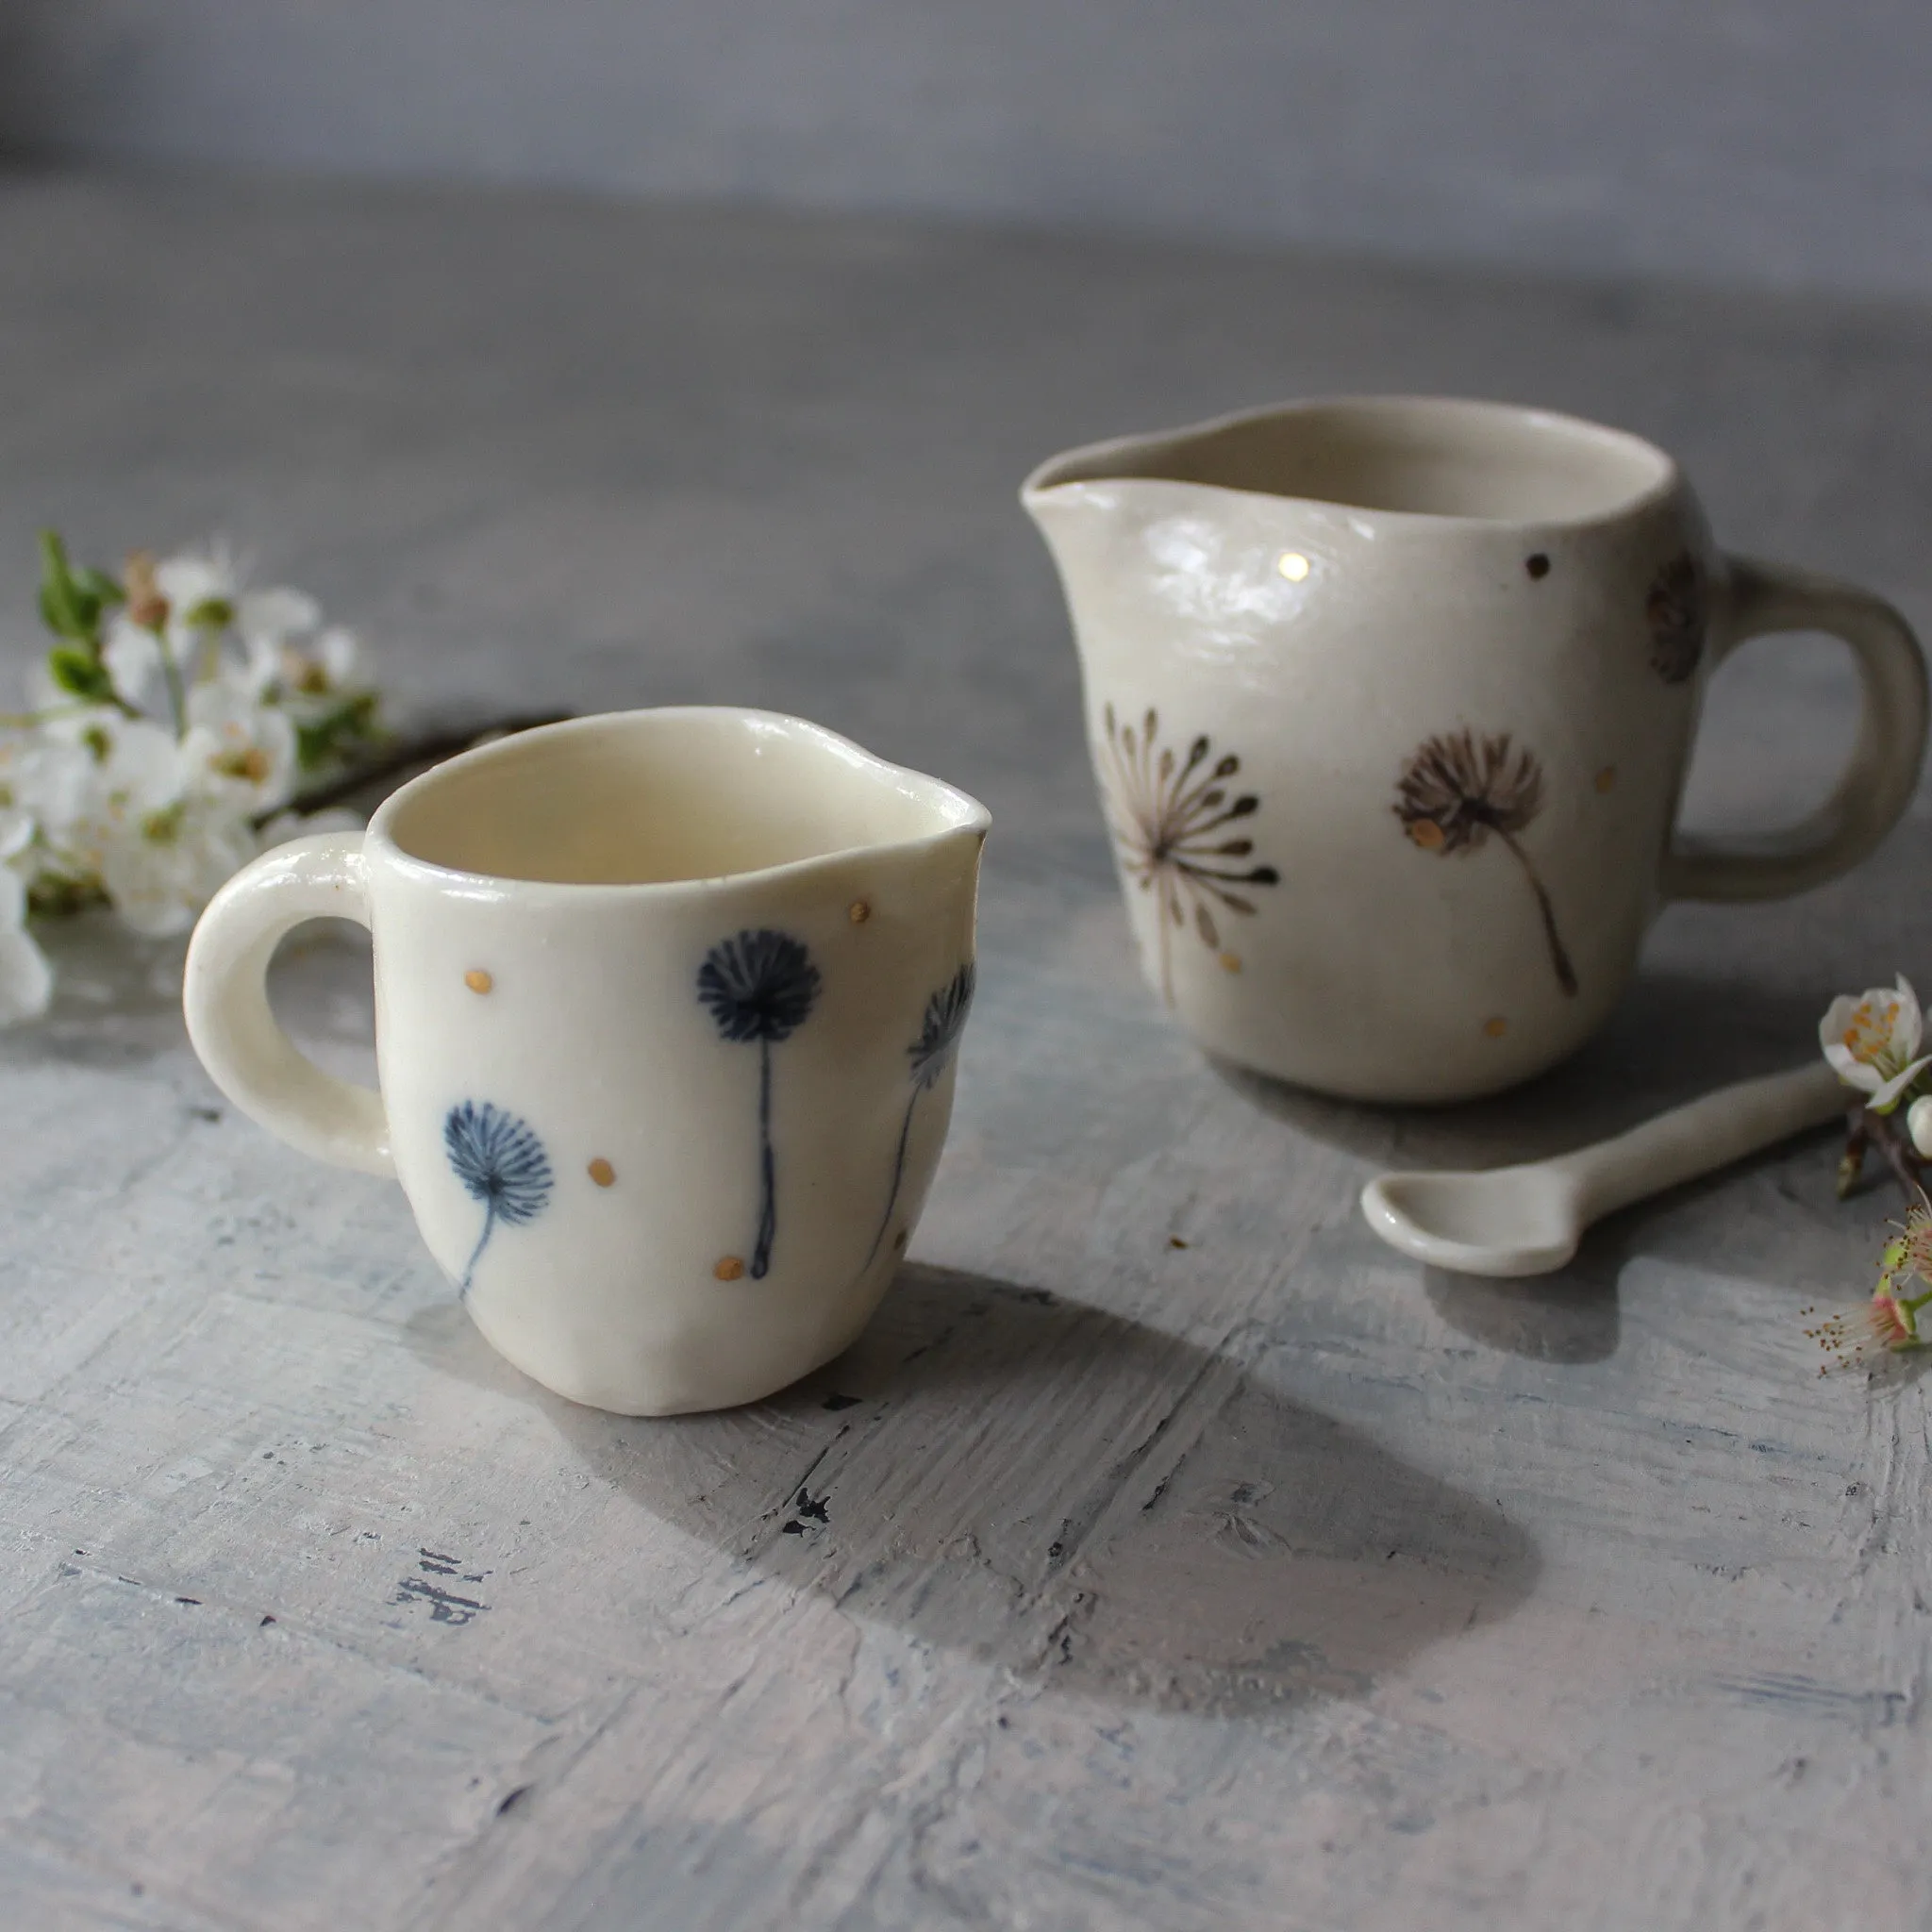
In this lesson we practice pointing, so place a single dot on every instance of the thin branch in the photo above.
(1851, 1163)
(1900, 1155)
(406, 755)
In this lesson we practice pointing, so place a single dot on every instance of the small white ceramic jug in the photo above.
(1391, 700)
(667, 1005)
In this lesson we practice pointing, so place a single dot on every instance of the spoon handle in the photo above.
(1704, 1134)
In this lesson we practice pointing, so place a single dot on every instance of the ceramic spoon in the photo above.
(1528, 1220)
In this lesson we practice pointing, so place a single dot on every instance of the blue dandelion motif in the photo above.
(761, 987)
(946, 1019)
(502, 1163)
(931, 1054)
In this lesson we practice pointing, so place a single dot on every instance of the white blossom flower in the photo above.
(17, 824)
(308, 673)
(192, 579)
(237, 749)
(169, 863)
(1872, 1042)
(139, 766)
(276, 615)
(161, 845)
(200, 590)
(179, 614)
(46, 786)
(1919, 1125)
(172, 723)
(134, 658)
(26, 980)
(204, 596)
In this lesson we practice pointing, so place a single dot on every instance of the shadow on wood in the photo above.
(1089, 1504)
(1571, 1316)
(1674, 1037)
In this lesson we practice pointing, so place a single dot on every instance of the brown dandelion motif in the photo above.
(1170, 818)
(1673, 608)
(1457, 788)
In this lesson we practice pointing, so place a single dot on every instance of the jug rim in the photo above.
(1103, 463)
(956, 811)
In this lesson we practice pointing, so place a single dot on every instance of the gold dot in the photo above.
(859, 912)
(1427, 834)
(477, 980)
(729, 1268)
(1607, 777)
(1496, 1029)
(1231, 962)
(602, 1171)
(1292, 565)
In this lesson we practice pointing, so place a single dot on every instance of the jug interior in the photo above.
(1445, 459)
(658, 797)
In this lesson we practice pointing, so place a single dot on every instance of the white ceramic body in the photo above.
(1322, 591)
(541, 911)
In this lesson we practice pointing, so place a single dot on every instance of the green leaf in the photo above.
(99, 584)
(80, 674)
(71, 606)
(57, 614)
(53, 556)
(60, 614)
(58, 605)
(337, 734)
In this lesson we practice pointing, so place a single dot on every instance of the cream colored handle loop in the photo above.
(1882, 772)
(225, 996)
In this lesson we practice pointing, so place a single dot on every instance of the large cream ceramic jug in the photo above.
(1391, 700)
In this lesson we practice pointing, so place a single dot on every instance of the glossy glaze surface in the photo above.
(1395, 696)
(651, 1117)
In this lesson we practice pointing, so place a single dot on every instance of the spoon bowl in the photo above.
(1514, 1221)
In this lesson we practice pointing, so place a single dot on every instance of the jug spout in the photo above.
(1078, 521)
(1159, 554)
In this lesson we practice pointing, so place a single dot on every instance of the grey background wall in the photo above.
(1779, 141)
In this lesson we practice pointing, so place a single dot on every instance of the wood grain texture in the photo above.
(1168, 1553)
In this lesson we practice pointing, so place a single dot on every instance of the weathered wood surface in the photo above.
(1168, 1553)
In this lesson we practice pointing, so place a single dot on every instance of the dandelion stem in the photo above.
(1559, 956)
(768, 1210)
(1161, 916)
(482, 1243)
(898, 1173)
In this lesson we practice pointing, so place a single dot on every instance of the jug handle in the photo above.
(224, 998)
(1879, 778)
